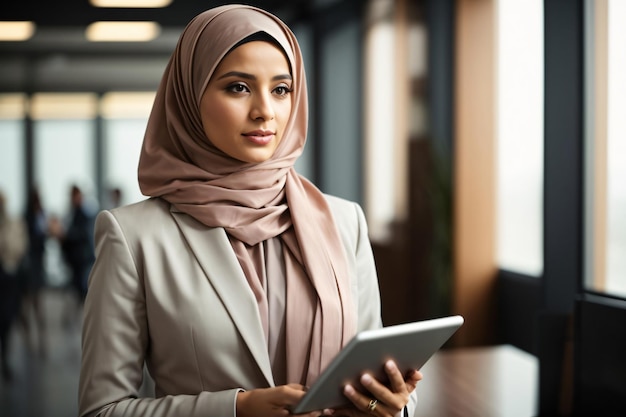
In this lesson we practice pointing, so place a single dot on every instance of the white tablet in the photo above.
(410, 345)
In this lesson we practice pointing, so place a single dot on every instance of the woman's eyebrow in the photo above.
(253, 77)
(282, 77)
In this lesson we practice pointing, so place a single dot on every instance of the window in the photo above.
(380, 136)
(64, 147)
(12, 172)
(125, 117)
(395, 64)
(606, 147)
(64, 155)
(520, 136)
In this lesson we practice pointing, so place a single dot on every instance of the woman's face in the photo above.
(247, 102)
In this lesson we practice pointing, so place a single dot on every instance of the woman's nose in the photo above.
(262, 107)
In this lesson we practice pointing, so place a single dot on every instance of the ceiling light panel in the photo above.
(16, 31)
(131, 3)
(122, 31)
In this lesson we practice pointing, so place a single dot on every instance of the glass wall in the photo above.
(66, 152)
(64, 155)
(606, 147)
(520, 136)
(12, 172)
(122, 144)
(616, 150)
(125, 116)
(394, 115)
(380, 135)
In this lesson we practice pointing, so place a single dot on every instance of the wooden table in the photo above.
(495, 381)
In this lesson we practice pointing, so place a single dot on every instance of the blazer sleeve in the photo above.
(115, 340)
(367, 290)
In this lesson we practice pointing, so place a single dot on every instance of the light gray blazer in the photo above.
(169, 291)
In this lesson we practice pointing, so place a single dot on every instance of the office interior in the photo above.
(483, 138)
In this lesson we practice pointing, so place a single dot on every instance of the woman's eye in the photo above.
(282, 90)
(237, 88)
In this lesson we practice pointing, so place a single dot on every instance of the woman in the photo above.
(37, 225)
(238, 280)
(13, 244)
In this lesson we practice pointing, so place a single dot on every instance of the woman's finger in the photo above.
(387, 399)
(412, 378)
(396, 379)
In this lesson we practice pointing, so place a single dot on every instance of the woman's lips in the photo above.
(260, 137)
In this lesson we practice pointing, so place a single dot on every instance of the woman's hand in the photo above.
(381, 400)
(271, 402)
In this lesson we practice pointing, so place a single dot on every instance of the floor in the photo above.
(497, 381)
(45, 383)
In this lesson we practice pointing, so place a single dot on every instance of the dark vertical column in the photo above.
(29, 148)
(29, 131)
(29, 151)
(563, 153)
(99, 156)
(563, 198)
(440, 24)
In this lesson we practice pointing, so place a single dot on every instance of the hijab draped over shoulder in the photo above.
(252, 202)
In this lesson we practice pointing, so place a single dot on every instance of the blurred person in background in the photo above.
(113, 198)
(116, 197)
(35, 277)
(13, 244)
(76, 241)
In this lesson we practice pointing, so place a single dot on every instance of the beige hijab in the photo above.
(252, 202)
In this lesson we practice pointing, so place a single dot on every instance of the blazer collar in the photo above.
(219, 262)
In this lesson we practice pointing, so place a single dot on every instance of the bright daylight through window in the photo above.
(520, 136)
(606, 147)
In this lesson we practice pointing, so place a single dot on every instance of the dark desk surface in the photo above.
(495, 381)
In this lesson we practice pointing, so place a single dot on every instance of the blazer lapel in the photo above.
(219, 262)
